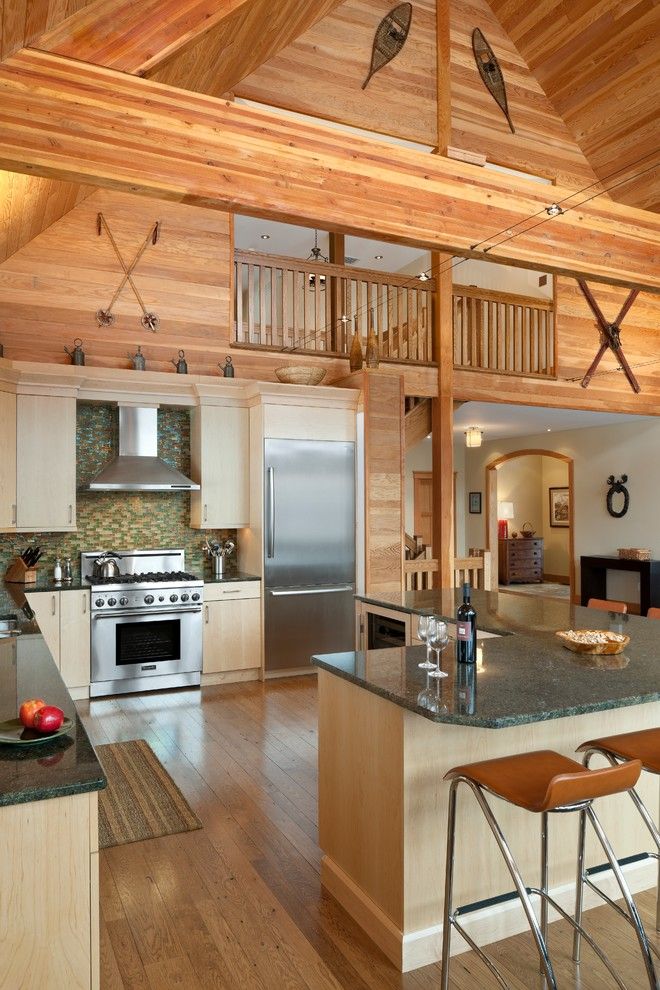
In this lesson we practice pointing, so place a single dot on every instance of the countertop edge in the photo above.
(35, 794)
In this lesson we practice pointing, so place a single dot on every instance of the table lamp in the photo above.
(504, 513)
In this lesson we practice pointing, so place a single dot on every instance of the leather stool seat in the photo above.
(544, 780)
(643, 745)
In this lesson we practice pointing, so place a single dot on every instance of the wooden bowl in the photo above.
(617, 642)
(300, 374)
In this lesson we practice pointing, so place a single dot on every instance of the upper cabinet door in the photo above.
(220, 449)
(8, 461)
(46, 462)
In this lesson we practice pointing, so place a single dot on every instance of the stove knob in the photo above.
(112, 601)
(184, 598)
(195, 597)
(161, 598)
(148, 599)
(99, 602)
(174, 598)
(123, 601)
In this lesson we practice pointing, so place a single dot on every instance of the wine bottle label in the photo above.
(464, 631)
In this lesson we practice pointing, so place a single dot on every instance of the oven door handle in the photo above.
(138, 612)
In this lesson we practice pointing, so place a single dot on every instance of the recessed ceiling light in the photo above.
(549, 430)
(423, 277)
(378, 257)
(265, 237)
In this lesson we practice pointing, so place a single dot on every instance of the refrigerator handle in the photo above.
(310, 591)
(271, 514)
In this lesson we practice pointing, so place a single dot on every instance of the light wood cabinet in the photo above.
(8, 461)
(63, 618)
(220, 464)
(46, 462)
(232, 627)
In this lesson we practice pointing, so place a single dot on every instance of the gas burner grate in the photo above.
(149, 577)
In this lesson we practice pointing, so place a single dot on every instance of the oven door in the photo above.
(130, 647)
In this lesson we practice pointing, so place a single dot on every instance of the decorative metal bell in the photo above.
(181, 365)
(77, 355)
(227, 368)
(139, 363)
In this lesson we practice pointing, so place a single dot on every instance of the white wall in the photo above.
(519, 481)
(488, 275)
(632, 449)
(556, 556)
(418, 458)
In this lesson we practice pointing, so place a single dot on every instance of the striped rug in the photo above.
(141, 800)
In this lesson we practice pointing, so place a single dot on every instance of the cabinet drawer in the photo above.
(524, 573)
(223, 591)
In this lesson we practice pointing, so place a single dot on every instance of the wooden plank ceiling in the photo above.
(136, 135)
(598, 61)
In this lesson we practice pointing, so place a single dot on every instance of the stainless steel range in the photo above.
(146, 623)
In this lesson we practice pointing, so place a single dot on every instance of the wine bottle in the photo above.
(466, 689)
(466, 629)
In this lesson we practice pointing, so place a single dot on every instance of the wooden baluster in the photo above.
(273, 305)
(252, 333)
(534, 331)
(296, 297)
(263, 334)
(327, 329)
(285, 307)
(238, 301)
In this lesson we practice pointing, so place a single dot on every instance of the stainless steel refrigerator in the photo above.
(309, 550)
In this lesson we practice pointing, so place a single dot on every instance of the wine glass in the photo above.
(423, 631)
(437, 639)
(430, 697)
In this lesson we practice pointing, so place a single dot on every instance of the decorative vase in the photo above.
(355, 355)
(372, 359)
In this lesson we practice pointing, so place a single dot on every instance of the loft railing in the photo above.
(282, 303)
(503, 332)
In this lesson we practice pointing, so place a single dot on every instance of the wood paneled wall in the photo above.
(29, 204)
(321, 74)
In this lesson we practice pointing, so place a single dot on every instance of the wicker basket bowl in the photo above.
(634, 553)
(300, 374)
(616, 643)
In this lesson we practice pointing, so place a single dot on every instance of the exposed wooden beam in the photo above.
(222, 39)
(80, 122)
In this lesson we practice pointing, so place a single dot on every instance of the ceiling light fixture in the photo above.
(317, 256)
(378, 257)
(554, 210)
(423, 277)
(473, 436)
(265, 237)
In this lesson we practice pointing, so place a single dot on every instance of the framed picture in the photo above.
(475, 503)
(560, 515)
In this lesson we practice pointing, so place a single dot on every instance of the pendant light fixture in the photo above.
(473, 436)
(316, 256)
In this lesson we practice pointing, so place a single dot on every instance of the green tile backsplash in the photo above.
(121, 520)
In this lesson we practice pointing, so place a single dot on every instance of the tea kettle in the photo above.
(106, 565)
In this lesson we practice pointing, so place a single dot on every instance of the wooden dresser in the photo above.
(520, 561)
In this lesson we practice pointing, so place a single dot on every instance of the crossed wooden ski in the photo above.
(610, 336)
(105, 317)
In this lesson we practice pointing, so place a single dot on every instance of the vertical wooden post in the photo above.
(443, 340)
(337, 256)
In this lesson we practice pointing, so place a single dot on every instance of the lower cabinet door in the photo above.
(232, 635)
(46, 607)
(74, 638)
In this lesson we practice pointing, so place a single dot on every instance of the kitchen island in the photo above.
(49, 897)
(388, 733)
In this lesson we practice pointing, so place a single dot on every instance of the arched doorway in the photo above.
(491, 504)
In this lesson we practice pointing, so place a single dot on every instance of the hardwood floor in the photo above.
(238, 905)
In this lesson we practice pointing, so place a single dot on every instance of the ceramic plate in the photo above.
(14, 733)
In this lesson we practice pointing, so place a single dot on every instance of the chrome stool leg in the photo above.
(544, 879)
(579, 884)
(449, 887)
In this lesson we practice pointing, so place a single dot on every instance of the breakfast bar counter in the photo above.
(49, 897)
(388, 733)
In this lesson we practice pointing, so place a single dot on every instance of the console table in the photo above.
(594, 578)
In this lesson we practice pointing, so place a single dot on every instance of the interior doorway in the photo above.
(553, 518)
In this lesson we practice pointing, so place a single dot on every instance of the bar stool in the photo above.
(540, 782)
(603, 605)
(642, 746)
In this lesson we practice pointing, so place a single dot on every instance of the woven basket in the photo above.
(634, 553)
(300, 374)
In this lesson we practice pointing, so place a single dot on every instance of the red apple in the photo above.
(28, 710)
(48, 719)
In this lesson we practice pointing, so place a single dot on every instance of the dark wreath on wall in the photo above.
(618, 488)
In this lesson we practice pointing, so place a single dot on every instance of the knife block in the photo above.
(19, 573)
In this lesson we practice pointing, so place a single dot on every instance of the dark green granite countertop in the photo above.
(67, 764)
(230, 575)
(524, 676)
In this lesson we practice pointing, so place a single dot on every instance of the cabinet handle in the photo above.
(70, 514)
(84, 603)
(206, 512)
(53, 605)
(235, 591)
(13, 514)
(206, 609)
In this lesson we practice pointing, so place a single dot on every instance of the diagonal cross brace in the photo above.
(610, 336)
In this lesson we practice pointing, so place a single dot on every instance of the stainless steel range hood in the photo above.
(138, 467)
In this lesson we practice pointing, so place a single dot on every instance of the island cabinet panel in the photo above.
(46, 462)
(75, 638)
(220, 464)
(48, 875)
(8, 461)
(232, 629)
